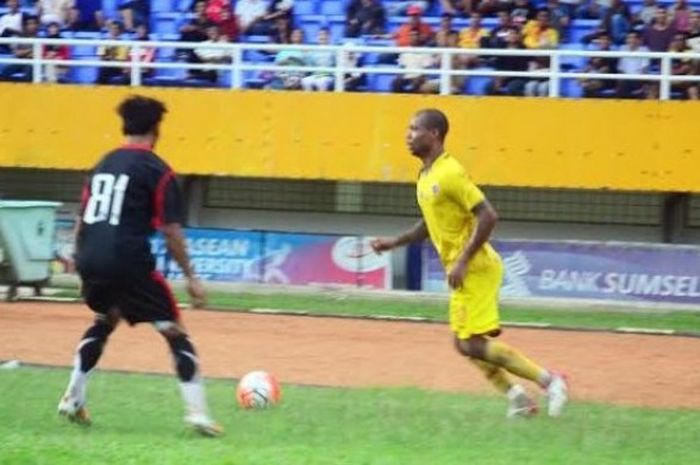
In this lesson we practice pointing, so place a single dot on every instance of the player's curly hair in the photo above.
(140, 115)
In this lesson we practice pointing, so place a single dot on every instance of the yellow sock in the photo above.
(504, 356)
(494, 374)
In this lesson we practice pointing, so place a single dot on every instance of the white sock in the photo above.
(515, 392)
(77, 386)
(194, 398)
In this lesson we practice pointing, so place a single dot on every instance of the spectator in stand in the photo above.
(522, 12)
(680, 12)
(54, 73)
(559, 18)
(591, 9)
(502, 85)
(279, 9)
(87, 15)
(647, 13)
(23, 73)
(251, 17)
(539, 33)
(113, 53)
(55, 11)
(194, 31)
(415, 24)
(594, 88)
(214, 8)
(228, 25)
(658, 34)
(365, 17)
(490, 7)
(290, 80)
(500, 33)
(354, 80)
(632, 65)
(211, 55)
(282, 32)
(145, 54)
(449, 40)
(402, 36)
(474, 36)
(401, 7)
(11, 22)
(412, 82)
(456, 7)
(135, 12)
(683, 67)
(320, 80)
(693, 35)
(618, 20)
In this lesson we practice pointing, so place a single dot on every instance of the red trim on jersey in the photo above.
(160, 279)
(84, 196)
(144, 147)
(159, 200)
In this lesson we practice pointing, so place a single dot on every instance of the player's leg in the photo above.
(476, 314)
(187, 368)
(149, 299)
(99, 298)
(520, 404)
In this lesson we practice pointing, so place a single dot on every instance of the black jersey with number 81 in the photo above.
(127, 197)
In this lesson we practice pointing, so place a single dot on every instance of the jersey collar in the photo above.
(144, 147)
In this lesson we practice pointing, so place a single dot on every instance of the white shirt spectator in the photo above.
(411, 60)
(11, 21)
(210, 54)
(55, 11)
(633, 65)
(249, 10)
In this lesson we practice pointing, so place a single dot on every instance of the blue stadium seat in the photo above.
(109, 8)
(161, 6)
(332, 8)
(305, 7)
(83, 50)
(83, 74)
(476, 85)
(380, 82)
(165, 25)
(570, 88)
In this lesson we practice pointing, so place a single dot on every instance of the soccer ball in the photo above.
(258, 389)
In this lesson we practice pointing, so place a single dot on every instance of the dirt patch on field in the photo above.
(624, 369)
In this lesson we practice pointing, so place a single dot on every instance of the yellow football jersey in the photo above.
(446, 197)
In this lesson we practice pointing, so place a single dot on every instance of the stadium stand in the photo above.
(168, 16)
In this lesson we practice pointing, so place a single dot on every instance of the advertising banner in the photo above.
(589, 270)
(262, 257)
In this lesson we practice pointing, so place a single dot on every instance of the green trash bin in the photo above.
(27, 244)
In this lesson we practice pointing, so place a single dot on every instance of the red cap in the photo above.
(414, 10)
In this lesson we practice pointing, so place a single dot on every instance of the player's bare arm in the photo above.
(418, 232)
(175, 241)
(487, 218)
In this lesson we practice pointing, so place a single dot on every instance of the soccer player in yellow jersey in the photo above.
(459, 221)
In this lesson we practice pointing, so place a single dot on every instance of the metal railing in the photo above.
(237, 66)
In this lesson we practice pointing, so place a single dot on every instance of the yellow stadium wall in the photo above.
(628, 145)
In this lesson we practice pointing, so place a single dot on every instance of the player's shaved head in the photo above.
(141, 115)
(433, 119)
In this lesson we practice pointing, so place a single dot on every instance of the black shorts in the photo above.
(143, 297)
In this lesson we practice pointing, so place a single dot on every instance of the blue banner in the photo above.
(589, 270)
(216, 255)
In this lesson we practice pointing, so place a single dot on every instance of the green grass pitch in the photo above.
(137, 420)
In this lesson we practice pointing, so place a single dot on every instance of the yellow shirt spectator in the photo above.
(471, 38)
(537, 35)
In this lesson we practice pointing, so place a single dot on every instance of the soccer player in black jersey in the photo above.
(129, 195)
